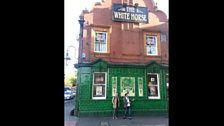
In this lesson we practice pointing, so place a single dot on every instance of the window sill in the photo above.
(156, 56)
(156, 98)
(99, 98)
(101, 53)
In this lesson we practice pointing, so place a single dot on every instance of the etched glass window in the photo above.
(99, 82)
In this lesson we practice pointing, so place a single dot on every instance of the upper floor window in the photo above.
(151, 45)
(100, 42)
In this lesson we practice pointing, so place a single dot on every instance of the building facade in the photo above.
(123, 48)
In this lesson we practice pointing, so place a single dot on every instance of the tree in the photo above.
(70, 80)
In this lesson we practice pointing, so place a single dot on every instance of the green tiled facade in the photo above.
(142, 105)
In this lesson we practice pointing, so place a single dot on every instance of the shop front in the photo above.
(98, 81)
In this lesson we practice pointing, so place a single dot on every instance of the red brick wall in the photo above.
(126, 39)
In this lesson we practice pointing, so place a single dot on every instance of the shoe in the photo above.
(129, 118)
(113, 118)
(116, 118)
(124, 118)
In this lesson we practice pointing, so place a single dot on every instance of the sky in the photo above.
(72, 11)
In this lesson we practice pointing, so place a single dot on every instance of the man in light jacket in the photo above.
(116, 105)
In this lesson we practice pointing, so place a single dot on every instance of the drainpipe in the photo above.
(81, 22)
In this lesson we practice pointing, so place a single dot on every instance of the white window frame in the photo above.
(97, 98)
(158, 86)
(95, 42)
(155, 36)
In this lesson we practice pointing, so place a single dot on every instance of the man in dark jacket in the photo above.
(127, 107)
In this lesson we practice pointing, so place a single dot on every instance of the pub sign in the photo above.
(129, 13)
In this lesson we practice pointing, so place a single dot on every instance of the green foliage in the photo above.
(70, 80)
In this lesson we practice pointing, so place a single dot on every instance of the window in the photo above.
(100, 42)
(99, 84)
(100, 39)
(127, 85)
(140, 86)
(167, 84)
(153, 86)
(114, 86)
(151, 45)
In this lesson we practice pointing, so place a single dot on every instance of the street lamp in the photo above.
(67, 58)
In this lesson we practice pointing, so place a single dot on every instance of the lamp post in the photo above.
(67, 58)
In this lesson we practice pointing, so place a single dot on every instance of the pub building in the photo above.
(123, 48)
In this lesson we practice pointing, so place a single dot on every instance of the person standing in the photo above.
(127, 107)
(116, 105)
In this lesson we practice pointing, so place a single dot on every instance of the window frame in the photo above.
(95, 32)
(158, 86)
(158, 44)
(105, 88)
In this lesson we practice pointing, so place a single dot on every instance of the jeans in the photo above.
(127, 111)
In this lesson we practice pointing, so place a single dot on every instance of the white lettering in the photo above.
(138, 17)
(144, 18)
(130, 16)
(120, 15)
(130, 9)
(116, 14)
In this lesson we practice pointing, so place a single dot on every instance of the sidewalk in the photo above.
(71, 121)
(136, 121)
(68, 119)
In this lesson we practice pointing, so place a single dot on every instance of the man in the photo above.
(127, 107)
(116, 104)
